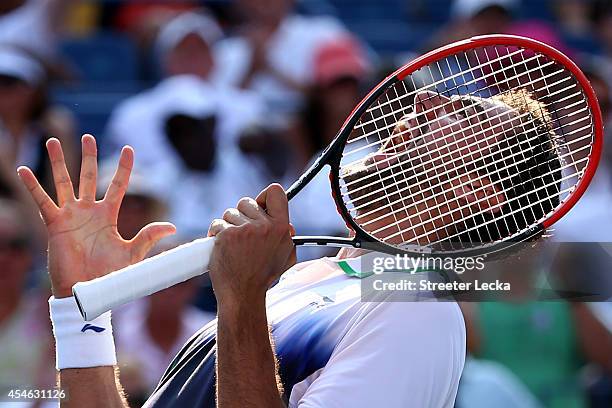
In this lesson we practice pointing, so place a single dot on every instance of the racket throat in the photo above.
(326, 241)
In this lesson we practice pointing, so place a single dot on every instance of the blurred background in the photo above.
(220, 98)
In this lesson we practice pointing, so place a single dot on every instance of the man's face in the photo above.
(15, 97)
(432, 169)
(191, 56)
(194, 140)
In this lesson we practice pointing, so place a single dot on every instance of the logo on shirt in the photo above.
(93, 328)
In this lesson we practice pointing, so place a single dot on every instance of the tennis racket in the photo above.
(469, 149)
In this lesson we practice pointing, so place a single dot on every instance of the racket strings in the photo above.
(473, 215)
(398, 202)
(464, 195)
(443, 106)
(435, 84)
(447, 155)
(357, 208)
(450, 90)
(469, 127)
(412, 94)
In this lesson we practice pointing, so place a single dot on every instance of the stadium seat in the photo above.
(93, 104)
(391, 36)
(102, 57)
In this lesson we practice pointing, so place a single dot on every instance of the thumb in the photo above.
(148, 236)
(274, 200)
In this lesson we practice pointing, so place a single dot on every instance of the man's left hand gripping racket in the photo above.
(471, 148)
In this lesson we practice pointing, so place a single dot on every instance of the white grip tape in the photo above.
(144, 278)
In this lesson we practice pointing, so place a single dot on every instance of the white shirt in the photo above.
(139, 120)
(196, 198)
(390, 354)
(334, 350)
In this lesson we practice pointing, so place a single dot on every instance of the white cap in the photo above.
(187, 23)
(19, 64)
(469, 8)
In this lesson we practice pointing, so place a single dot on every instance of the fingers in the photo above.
(250, 208)
(118, 186)
(274, 200)
(216, 226)
(148, 236)
(48, 209)
(61, 178)
(235, 217)
(89, 169)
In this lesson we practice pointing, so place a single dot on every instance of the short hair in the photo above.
(527, 167)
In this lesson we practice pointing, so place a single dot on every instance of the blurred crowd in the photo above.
(221, 97)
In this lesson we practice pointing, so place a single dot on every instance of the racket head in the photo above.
(533, 77)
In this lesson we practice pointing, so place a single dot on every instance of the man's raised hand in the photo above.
(83, 239)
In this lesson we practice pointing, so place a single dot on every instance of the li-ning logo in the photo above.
(92, 327)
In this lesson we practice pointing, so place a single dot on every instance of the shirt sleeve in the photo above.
(394, 354)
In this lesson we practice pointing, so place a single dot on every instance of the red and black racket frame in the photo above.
(332, 155)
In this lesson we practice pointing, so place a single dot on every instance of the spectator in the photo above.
(537, 342)
(186, 108)
(475, 17)
(340, 67)
(137, 121)
(594, 207)
(600, 376)
(150, 332)
(27, 120)
(207, 177)
(200, 176)
(601, 15)
(26, 358)
(184, 50)
(184, 45)
(575, 25)
(486, 383)
(33, 25)
(544, 343)
(273, 52)
(486, 16)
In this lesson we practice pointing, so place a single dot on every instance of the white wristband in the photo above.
(80, 344)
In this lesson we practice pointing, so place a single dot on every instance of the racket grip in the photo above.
(151, 275)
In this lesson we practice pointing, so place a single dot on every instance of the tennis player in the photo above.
(307, 342)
